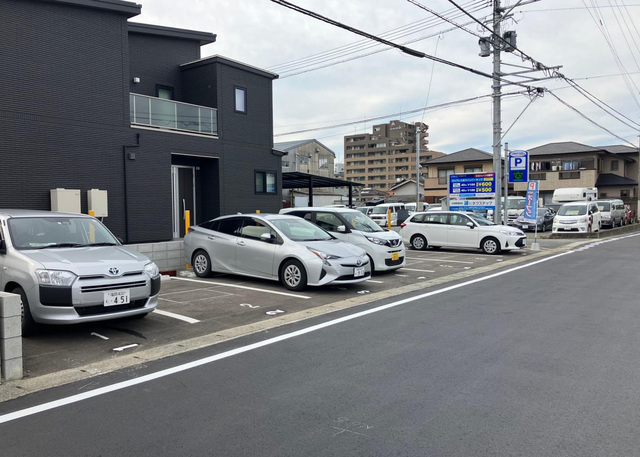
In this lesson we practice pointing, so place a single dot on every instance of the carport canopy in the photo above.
(299, 180)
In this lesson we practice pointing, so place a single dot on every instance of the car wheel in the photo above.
(293, 276)
(490, 246)
(28, 324)
(418, 242)
(544, 227)
(201, 264)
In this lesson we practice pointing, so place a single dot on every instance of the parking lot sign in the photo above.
(518, 166)
(530, 213)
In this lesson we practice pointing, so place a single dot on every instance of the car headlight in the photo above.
(152, 269)
(323, 256)
(583, 219)
(55, 277)
(511, 232)
(378, 241)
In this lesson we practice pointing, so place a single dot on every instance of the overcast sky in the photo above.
(376, 82)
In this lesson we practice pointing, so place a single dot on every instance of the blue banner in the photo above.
(531, 202)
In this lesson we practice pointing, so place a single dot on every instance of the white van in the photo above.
(384, 247)
(613, 212)
(575, 194)
(412, 207)
(580, 217)
(398, 213)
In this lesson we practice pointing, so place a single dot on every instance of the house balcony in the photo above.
(171, 115)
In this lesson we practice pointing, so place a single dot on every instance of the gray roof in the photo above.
(466, 155)
(568, 147)
(289, 145)
(610, 179)
(620, 149)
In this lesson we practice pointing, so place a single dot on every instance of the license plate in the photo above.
(357, 272)
(525, 226)
(395, 256)
(116, 297)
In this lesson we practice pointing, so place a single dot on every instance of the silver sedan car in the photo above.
(278, 247)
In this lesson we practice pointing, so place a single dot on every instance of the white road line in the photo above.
(415, 269)
(373, 280)
(214, 358)
(176, 316)
(243, 287)
(439, 260)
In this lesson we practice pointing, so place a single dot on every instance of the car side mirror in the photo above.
(341, 229)
(470, 225)
(267, 237)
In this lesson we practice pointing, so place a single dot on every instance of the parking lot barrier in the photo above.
(11, 367)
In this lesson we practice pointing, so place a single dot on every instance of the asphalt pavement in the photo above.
(195, 313)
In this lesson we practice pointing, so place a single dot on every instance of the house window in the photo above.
(265, 182)
(614, 165)
(624, 193)
(164, 92)
(285, 164)
(241, 99)
(570, 175)
(473, 169)
(323, 162)
(443, 175)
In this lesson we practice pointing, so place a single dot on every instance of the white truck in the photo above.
(575, 194)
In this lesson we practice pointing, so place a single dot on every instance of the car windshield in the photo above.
(604, 206)
(298, 229)
(380, 209)
(361, 222)
(58, 232)
(515, 203)
(572, 210)
(479, 219)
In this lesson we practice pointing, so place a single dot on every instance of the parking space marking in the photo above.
(415, 269)
(176, 316)
(244, 287)
(373, 280)
(439, 260)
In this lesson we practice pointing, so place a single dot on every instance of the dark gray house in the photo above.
(89, 100)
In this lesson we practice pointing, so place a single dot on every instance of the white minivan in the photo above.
(612, 211)
(580, 217)
(398, 213)
(384, 247)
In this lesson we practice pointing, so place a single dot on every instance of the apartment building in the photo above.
(384, 157)
(90, 100)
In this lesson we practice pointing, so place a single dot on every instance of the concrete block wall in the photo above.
(11, 366)
(168, 255)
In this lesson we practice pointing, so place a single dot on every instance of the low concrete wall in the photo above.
(603, 233)
(11, 367)
(168, 255)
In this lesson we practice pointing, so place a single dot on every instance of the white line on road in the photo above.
(415, 269)
(438, 260)
(243, 287)
(214, 358)
(176, 316)
(373, 280)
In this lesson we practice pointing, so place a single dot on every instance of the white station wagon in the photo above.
(456, 229)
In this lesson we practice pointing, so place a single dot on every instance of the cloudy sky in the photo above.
(330, 77)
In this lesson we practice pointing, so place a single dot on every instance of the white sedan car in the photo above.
(460, 230)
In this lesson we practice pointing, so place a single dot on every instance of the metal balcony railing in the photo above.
(172, 115)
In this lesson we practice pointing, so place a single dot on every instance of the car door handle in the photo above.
(240, 243)
(211, 237)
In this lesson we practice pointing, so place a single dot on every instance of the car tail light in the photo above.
(190, 229)
(403, 225)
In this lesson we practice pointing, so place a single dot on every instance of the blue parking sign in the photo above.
(518, 166)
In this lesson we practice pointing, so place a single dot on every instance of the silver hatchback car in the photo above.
(69, 268)
(276, 247)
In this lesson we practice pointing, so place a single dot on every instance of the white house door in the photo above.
(184, 197)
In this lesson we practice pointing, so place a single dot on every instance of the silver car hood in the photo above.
(335, 247)
(88, 260)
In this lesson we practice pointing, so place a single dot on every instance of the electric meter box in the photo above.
(65, 200)
(98, 203)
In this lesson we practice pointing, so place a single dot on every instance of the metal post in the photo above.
(418, 129)
(497, 130)
(506, 184)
